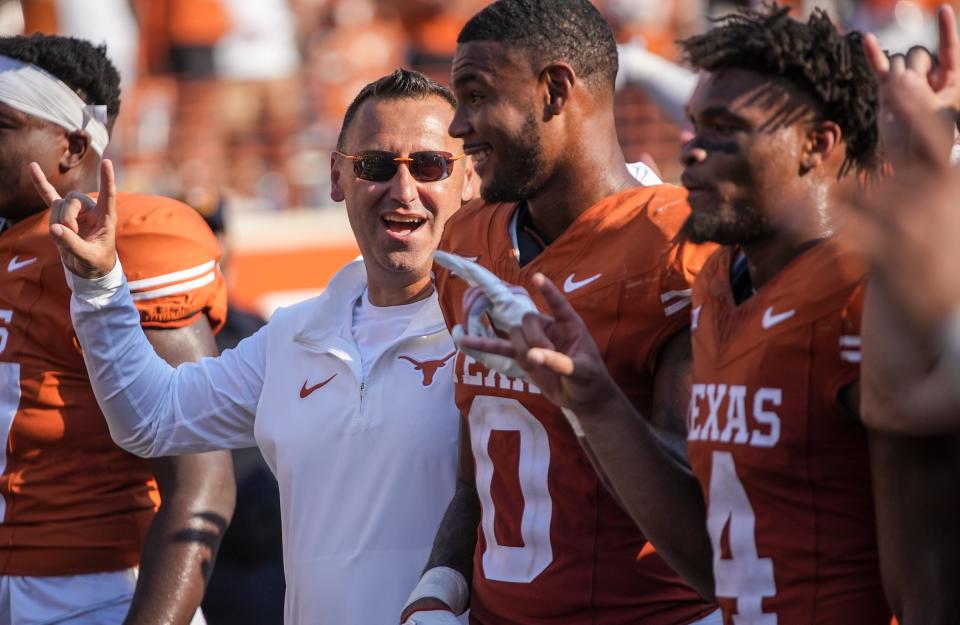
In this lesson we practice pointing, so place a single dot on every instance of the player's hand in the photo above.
(487, 298)
(917, 81)
(432, 617)
(909, 229)
(83, 229)
(557, 352)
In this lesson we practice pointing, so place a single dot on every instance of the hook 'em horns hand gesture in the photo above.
(84, 229)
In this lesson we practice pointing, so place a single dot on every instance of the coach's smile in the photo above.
(401, 224)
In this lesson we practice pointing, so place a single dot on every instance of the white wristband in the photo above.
(445, 584)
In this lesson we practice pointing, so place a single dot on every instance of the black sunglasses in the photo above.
(380, 166)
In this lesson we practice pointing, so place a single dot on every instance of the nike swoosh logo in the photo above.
(16, 264)
(571, 285)
(770, 319)
(305, 392)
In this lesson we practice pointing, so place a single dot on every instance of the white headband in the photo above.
(35, 91)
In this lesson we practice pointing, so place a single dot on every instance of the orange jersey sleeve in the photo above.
(71, 501)
(170, 256)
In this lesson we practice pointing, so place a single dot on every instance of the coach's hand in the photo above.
(84, 229)
(557, 352)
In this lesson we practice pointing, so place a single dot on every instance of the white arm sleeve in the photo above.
(153, 409)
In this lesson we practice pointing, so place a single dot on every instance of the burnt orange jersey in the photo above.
(554, 546)
(71, 501)
(784, 468)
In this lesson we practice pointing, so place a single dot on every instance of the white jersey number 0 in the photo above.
(500, 562)
(745, 576)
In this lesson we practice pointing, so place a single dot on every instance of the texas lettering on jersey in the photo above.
(783, 465)
(719, 413)
(471, 373)
(553, 545)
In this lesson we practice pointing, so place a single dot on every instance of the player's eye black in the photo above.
(380, 166)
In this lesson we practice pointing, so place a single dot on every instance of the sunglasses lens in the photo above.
(431, 166)
(378, 166)
(375, 166)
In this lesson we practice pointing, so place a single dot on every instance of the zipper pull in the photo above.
(362, 386)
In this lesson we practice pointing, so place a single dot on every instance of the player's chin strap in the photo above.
(444, 584)
(35, 91)
(504, 305)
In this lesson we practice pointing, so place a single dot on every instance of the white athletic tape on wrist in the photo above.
(432, 617)
(445, 584)
(35, 91)
(493, 362)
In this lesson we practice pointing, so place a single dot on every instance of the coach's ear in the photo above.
(822, 144)
(471, 182)
(78, 144)
(336, 192)
(560, 80)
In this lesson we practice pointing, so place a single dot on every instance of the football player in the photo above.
(785, 112)
(77, 513)
(532, 525)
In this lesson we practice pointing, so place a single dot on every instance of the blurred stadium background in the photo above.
(234, 105)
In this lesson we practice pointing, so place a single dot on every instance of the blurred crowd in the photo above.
(239, 101)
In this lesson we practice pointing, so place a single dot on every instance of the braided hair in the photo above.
(828, 65)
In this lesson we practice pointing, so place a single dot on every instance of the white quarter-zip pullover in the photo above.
(366, 465)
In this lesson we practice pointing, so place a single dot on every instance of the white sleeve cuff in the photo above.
(96, 291)
(443, 583)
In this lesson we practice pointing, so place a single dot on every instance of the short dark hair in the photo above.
(401, 84)
(78, 63)
(572, 31)
(829, 66)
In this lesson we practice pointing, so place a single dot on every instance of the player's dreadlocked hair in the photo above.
(572, 31)
(79, 64)
(401, 84)
(828, 65)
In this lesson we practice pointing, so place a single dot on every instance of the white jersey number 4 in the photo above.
(744, 576)
(502, 562)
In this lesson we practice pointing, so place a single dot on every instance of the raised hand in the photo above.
(84, 229)
(557, 352)
(503, 304)
(916, 84)
(908, 229)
